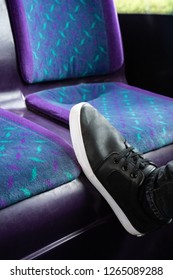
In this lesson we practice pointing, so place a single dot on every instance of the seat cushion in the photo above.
(65, 39)
(143, 117)
(33, 159)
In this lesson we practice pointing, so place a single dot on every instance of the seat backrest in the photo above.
(60, 39)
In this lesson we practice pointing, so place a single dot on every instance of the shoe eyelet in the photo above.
(116, 161)
(134, 176)
(124, 168)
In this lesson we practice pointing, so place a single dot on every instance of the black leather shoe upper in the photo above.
(118, 167)
(102, 140)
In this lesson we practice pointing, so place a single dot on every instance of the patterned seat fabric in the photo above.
(144, 118)
(33, 160)
(59, 39)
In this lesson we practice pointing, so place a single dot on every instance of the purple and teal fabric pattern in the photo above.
(60, 39)
(33, 160)
(144, 118)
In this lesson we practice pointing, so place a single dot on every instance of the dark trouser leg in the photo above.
(159, 191)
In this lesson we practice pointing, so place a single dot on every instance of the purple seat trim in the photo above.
(112, 27)
(18, 17)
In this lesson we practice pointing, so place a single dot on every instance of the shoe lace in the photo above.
(131, 156)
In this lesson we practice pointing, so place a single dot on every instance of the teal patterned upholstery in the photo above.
(59, 39)
(144, 118)
(33, 160)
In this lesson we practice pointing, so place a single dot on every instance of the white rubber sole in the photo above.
(78, 145)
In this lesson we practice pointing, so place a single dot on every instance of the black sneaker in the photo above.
(113, 167)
